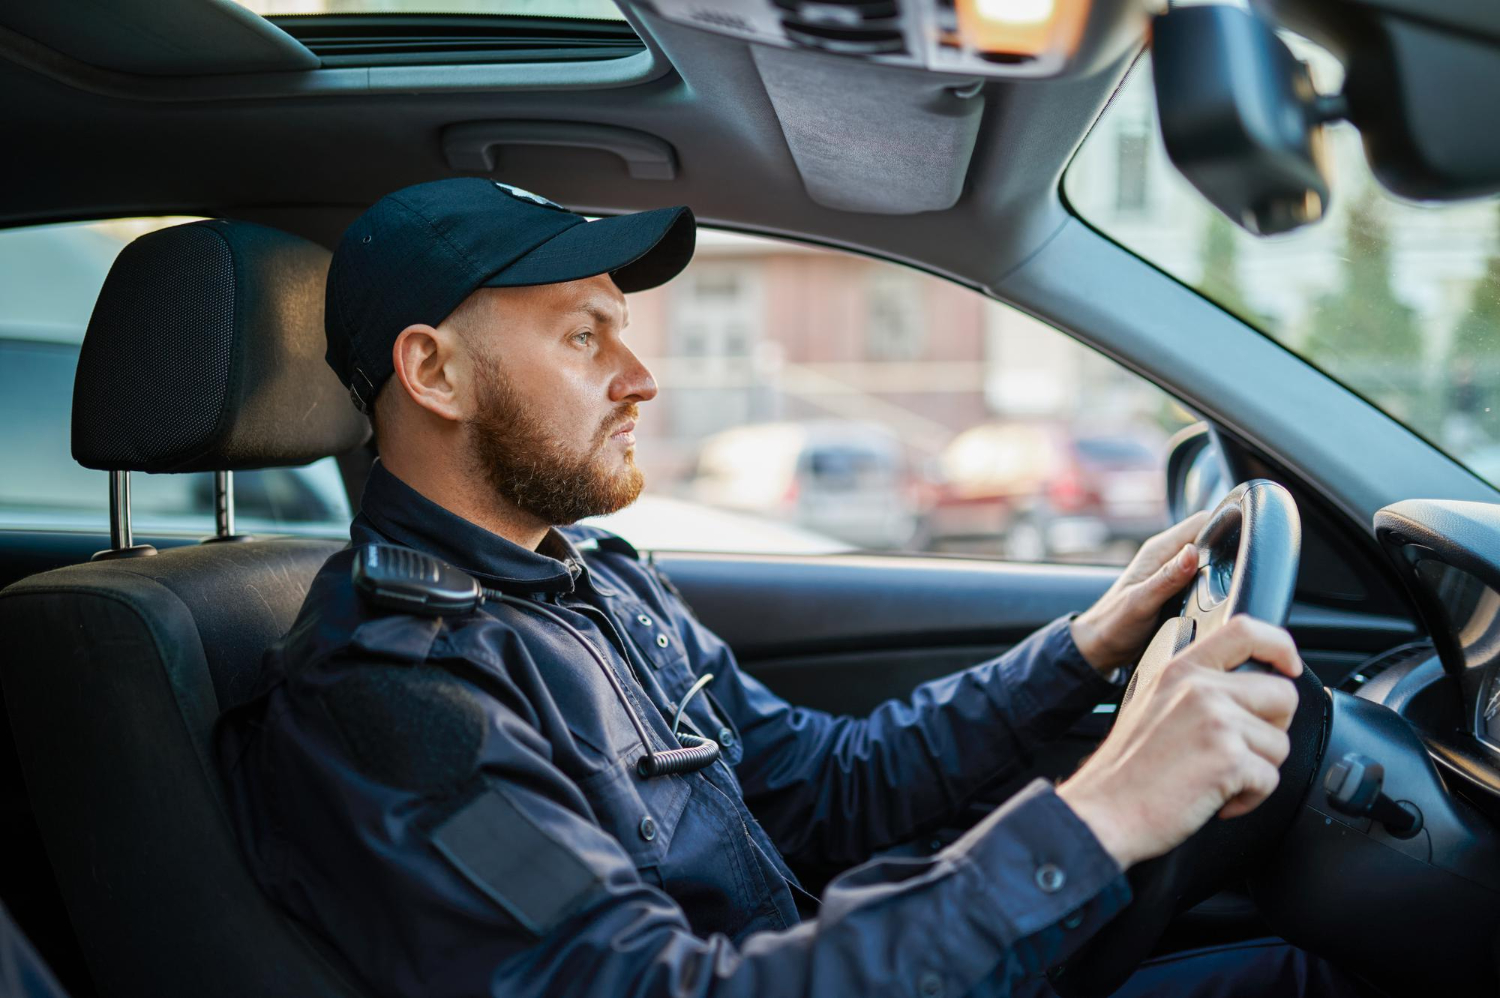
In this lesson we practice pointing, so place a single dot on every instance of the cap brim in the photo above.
(639, 251)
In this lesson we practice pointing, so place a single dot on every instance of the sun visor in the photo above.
(159, 37)
(871, 138)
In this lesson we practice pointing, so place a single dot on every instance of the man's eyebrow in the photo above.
(600, 315)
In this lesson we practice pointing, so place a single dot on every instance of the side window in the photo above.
(50, 276)
(819, 401)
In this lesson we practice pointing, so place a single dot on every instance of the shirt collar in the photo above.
(394, 511)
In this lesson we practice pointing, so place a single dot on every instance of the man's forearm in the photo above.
(834, 790)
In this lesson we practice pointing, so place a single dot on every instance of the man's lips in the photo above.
(626, 432)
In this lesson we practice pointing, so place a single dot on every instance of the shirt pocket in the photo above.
(661, 646)
(657, 641)
(641, 814)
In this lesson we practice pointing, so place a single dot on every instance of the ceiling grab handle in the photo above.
(473, 146)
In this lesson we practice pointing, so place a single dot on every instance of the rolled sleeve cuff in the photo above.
(1051, 683)
(1050, 884)
(1071, 661)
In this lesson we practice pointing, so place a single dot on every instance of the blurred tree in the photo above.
(1476, 338)
(1361, 331)
(1220, 282)
(1474, 354)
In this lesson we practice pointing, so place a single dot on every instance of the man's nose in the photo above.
(634, 383)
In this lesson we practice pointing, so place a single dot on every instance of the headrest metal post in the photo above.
(119, 510)
(224, 510)
(121, 543)
(223, 503)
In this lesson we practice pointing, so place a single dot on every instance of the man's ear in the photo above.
(431, 368)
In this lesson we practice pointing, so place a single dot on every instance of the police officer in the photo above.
(548, 795)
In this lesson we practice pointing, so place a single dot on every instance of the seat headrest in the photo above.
(205, 353)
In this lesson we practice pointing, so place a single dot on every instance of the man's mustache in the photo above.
(624, 412)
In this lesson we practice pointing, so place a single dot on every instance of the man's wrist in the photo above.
(1090, 644)
(1102, 820)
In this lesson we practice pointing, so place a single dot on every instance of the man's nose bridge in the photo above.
(634, 377)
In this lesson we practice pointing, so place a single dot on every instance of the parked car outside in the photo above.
(845, 479)
(1040, 490)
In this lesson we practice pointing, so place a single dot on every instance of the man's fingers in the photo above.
(1243, 638)
(1266, 740)
(1171, 540)
(1270, 698)
(1257, 781)
(1170, 577)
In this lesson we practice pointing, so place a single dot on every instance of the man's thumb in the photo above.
(1172, 576)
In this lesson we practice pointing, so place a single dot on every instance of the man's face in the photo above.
(555, 396)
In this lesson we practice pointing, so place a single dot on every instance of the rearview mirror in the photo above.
(1240, 118)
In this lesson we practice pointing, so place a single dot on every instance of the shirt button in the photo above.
(661, 641)
(1074, 920)
(930, 984)
(648, 828)
(726, 737)
(1050, 878)
(645, 620)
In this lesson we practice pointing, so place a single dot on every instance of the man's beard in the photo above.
(539, 475)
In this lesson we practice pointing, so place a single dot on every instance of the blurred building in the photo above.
(759, 330)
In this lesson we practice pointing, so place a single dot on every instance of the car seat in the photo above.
(204, 353)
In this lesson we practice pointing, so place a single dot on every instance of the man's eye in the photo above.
(582, 337)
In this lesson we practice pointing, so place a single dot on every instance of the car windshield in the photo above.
(1399, 301)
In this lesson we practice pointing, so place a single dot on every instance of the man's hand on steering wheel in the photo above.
(1112, 632)
(1197, 741)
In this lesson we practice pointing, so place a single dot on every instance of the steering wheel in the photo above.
(1249, 551)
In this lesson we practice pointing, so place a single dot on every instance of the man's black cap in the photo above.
(418, 253)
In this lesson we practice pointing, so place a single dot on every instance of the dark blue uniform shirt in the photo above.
(453, 802)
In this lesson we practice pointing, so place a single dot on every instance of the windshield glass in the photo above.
(1399, 301)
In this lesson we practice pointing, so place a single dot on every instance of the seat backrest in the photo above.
(204, 352)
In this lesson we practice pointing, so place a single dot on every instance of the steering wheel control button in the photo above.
(661, 641)
(1050, 878)
(648, 828)
(930, 984)
(645, 620)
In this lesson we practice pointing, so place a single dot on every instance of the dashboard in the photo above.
(1419, 728)
(1449, 555)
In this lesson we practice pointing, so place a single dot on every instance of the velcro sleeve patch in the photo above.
(502, 851)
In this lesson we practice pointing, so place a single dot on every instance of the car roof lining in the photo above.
(312, 163)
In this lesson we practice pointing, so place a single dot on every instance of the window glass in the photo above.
(50, 276)
(1399, 301)
(813, 401)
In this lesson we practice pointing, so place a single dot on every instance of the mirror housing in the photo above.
(1240, 118)
(1420, 82)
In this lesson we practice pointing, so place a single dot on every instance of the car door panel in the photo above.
(846, 632)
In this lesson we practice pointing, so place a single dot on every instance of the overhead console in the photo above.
(881, 101)
(994, 38)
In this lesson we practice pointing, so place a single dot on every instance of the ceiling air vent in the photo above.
(404, 39)
(849, 27)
